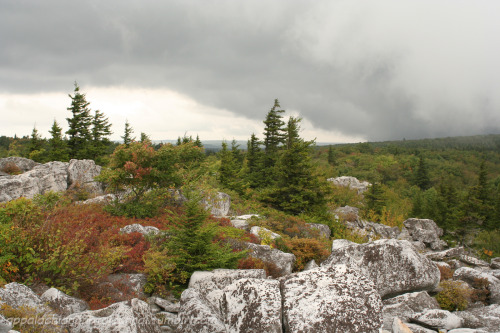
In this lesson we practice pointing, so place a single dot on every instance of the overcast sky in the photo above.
(354, 70)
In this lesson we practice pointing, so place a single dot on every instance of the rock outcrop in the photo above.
(393, 265)
(351, 182)
(218, 205)
(63, 304)
(132, 316)
(283, 261)
(140, 229)
(330, 299)
(425, 231)
(252, 306)
(51, 176)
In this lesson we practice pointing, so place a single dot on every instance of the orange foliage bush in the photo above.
(307, 249)
(255, 263)
(11, 168)
(446, 273)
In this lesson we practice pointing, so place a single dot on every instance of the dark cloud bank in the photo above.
(382, 71)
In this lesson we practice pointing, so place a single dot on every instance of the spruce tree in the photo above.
(274, 136)
(79, 125)
(297, 189)
(331, 156)
(35, 147)
(227, 167)
(36, 141)
(374, 199)
(254, 162)
(144, 138)
(193, 247)
(198, 142)
(101, 130)
(422, 177)
(58, 148)
(127, 134)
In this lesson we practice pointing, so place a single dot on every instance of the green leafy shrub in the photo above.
(453, 296)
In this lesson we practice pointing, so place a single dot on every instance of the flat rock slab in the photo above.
(132, 316)
(393, 265)
(252, 306)
(330, 299)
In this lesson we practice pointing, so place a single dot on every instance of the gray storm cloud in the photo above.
(380, 70)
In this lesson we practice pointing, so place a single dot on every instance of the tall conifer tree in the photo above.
(79, 125)
(58, 148)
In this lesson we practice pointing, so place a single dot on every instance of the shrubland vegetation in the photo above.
(53, 240)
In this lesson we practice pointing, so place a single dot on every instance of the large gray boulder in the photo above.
(495, 263)
(425, 231)
(351, 182)
(23, 164)
(198, 315)
(42, 178)
(439, 319)
(406, 306)
(468, 275)
(218, 204)
(136, 227)
(252, 306)
(211, 284)
(63, 304)
(485, 318)
(324, 230)
(393, 265)
(454, 252)
(283, 261)
(263, 233)
(330, 299)
(52, 176)
(132, 316)
(81, 174)
(18, 295)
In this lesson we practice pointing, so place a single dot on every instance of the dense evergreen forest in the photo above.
(454, 181)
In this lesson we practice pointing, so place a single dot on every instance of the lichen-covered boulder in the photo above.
(468, 275)
(263, 233)
(132, 316)
(337, 244)
(211, 284)
(330, 299)
(81, 174)
(425, 231)
(406, 305)
(495, 263)
(242, 221)
(198, 315)
(399, 327)
(140, 229)
(18, 295)
(439, 319)
(283, 261)
(324, 230)
(473, 261)
(218, 205)
(393, 265)
(351, 182)
(63, 304)
(42, 178)
(486, 318)
(455, 252)
(23, 164)
(252, 306)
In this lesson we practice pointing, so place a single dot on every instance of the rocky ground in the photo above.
(385, 285)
